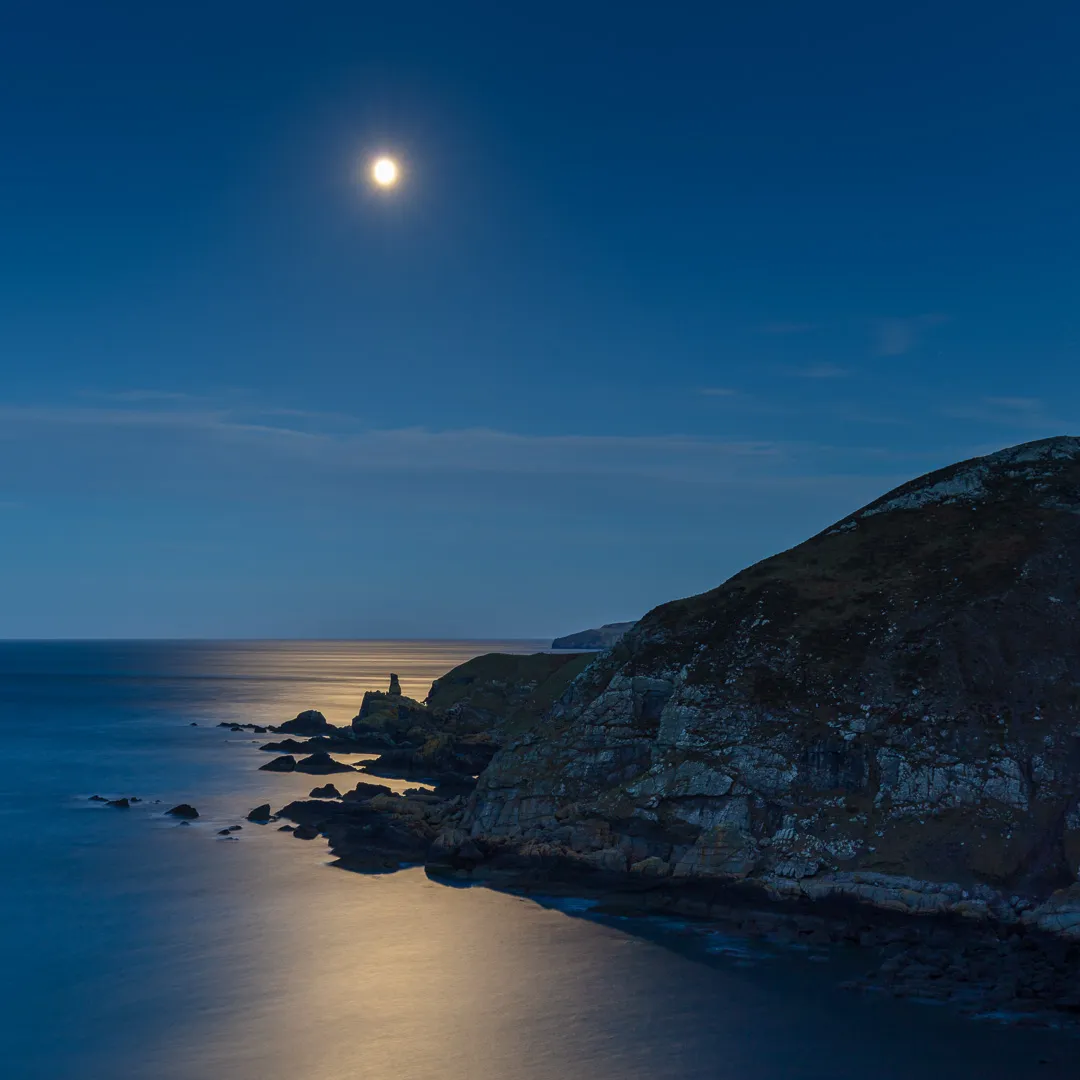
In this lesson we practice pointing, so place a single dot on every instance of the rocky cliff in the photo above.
(889, 711)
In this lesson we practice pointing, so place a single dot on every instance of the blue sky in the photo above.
(665, 289)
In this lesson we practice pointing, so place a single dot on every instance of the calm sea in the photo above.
(133, 948)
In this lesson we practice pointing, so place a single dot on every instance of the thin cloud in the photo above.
(717, 391)
(897, 336)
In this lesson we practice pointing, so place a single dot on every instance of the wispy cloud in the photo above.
(135, 396)
(717, 391)
(130, 437)
(897, 336)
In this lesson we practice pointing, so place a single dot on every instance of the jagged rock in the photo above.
(885, 713)
(364, 791)
(183, 810)
(319, 764)
(120, 804)
(286, 763)
(603, 637)
(390, 714)
(310, 722)
(327, 791)
(97, 798)
(364, 836)
(395, 686)
(260, 815)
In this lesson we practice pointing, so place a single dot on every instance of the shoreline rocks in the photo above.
(286, 763)
(183, 810)
(320, 763)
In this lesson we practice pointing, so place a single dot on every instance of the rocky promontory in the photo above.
(887, 714)
(600, 637)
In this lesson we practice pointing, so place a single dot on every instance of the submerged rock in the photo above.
(183, 810)
(120, 804)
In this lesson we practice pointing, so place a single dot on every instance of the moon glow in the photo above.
(385, 172)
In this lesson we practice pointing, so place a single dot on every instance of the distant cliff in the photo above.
(889, 711)
(603, 637)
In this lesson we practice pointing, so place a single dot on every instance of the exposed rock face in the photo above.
(889, 711)
(602, 637)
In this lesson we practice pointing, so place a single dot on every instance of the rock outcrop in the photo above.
(601, 637)
(309, 722)
(501, 694)
(391, 714)
(889, 712)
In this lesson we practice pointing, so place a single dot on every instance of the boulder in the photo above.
(260, 815)
(183, 810)
(320, 764)
(327, 791)
(309, 722)
(287, 763)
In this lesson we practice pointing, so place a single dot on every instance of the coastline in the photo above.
(945, 949)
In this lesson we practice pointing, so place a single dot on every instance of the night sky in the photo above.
(665, 288)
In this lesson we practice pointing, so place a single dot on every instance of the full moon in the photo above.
(385, 172)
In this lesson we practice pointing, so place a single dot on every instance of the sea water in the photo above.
(136, 948)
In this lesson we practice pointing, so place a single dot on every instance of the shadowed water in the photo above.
(135, 948)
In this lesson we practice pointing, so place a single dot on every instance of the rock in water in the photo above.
(320, 763)
(395, 686)
(327, 791)
(183, 811)
(310, 722)
(286, 763)
(260, 815)
(887, 712)
(120, 804)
